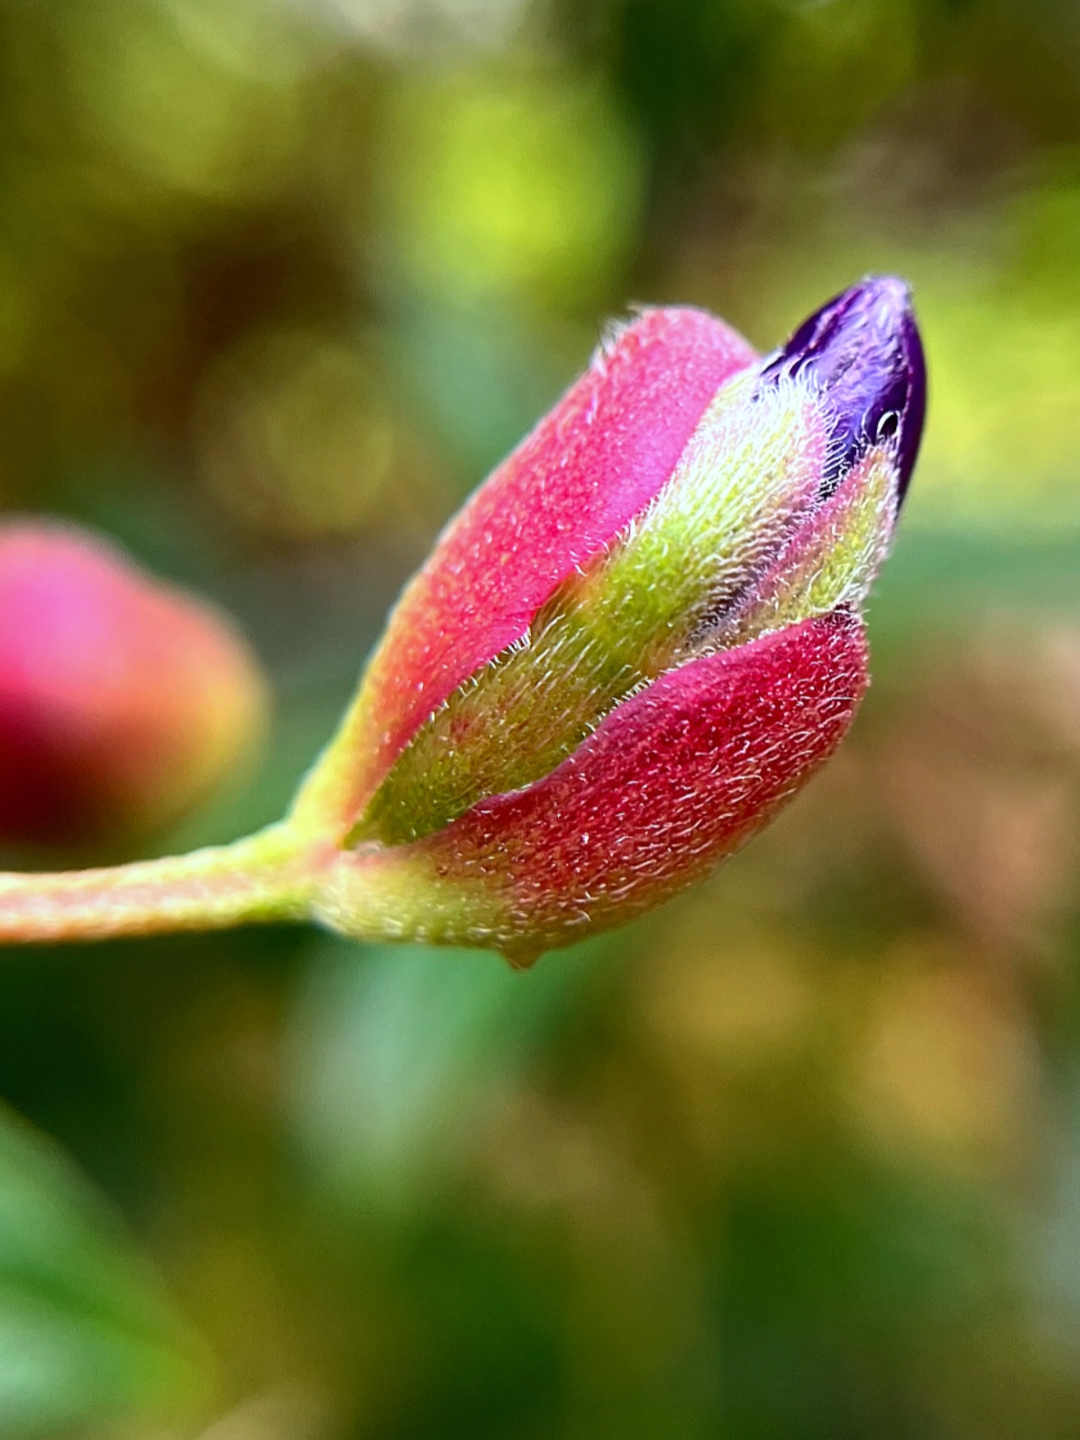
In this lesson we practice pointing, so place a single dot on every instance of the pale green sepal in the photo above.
(832, 560)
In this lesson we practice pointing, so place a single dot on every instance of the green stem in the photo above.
(265, 877)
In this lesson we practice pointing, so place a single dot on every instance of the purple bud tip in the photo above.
(863, 350)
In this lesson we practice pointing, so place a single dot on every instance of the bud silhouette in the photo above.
(639, 638)
(122, 701)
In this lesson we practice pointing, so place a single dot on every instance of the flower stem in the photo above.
(264, 877)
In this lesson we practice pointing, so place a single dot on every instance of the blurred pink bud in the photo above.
(123, 701)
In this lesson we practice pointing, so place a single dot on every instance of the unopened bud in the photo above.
(640, 636)
(123, 701)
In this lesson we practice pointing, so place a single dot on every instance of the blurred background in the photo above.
(797, 1158)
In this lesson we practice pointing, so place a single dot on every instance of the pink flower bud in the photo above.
(637, 640)
(122, 700)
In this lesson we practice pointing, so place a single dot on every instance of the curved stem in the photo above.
(264, 877)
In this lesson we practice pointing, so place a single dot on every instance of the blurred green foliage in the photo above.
(83, 1330)
(799, 1157)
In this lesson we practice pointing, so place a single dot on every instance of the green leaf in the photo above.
(398, 1050)
(86, 1338)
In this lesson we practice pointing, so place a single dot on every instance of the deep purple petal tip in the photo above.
(864, 351)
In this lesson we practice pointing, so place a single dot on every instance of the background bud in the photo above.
(122, 700)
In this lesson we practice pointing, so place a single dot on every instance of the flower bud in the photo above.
(122, 700)
(637, 640)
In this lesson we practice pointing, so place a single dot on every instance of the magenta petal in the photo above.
(592, 464)
(671, 782)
